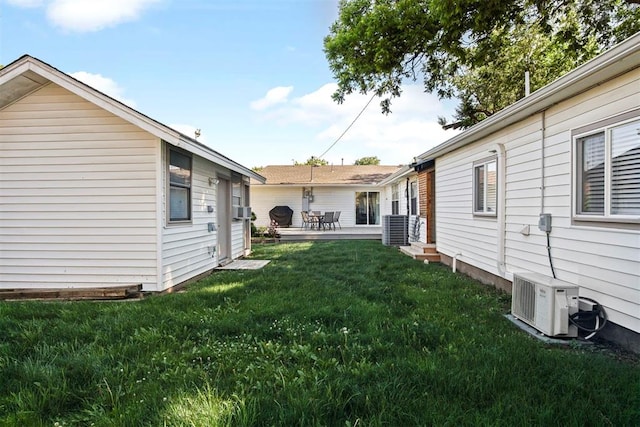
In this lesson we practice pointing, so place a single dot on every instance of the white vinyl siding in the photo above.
(329, 198)
(187, 248)
(78, 199)
(603, 261)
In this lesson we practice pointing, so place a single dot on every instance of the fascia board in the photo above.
(127, 113)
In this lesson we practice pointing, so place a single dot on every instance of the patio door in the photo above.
(368, 208)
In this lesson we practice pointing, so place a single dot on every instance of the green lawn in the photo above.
(333, 333)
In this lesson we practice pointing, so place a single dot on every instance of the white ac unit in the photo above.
(545, 303)
(241, 212)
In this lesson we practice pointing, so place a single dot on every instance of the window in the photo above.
(413, 189)
(608, 173)
(368, 208)
(395, 199)
(179, 186)
(236, 193)
(485, 180)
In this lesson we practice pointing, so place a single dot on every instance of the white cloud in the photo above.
(410, 130)
(104, 85)
(274, 96)
(88, 15)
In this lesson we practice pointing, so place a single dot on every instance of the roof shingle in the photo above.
(327, 175)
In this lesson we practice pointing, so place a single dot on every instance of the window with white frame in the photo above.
(395, 199)
(236, 193)
(485, 187)
(413, 189)
(179, 199)
(607, 175)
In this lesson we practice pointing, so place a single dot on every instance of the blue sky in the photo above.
(250, 74)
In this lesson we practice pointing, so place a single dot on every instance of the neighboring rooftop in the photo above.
(327, 175)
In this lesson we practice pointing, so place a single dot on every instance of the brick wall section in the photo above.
(422, 194)
(427, 199)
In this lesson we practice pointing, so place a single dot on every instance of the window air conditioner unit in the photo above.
(241, 212)
(545, 303)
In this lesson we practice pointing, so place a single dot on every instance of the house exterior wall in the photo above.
(78, 195)
(187, 249)
(326, 198)
(603, 259)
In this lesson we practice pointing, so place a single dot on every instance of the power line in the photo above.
(348, 127)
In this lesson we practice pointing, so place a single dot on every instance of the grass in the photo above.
(334, 333)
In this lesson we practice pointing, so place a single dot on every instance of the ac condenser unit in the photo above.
(395, 230)
(545, 303)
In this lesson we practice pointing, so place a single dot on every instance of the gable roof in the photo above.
(618, 60)
(28, 74)
(326, 175)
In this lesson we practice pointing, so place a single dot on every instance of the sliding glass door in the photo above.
(368, 208)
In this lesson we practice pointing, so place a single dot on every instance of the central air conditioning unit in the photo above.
(395, 230)
(545, 303)
(241, 212)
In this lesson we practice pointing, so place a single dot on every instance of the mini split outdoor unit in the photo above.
(545, 303)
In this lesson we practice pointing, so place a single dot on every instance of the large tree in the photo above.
(369, 160)
(475, 51)
(313, 161)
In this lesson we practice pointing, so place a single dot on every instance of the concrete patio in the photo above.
(296, 234)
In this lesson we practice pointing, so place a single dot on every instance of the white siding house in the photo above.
(571, 150)
(86, 185)
(348, 189)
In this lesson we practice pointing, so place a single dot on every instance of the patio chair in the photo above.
(336, 219)
(327, 220)
(306, 221)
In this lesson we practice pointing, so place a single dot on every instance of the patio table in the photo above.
(316, 219)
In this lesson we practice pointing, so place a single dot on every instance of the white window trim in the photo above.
(414, 190)
(484, 162)
(606, 217)
(171, 222)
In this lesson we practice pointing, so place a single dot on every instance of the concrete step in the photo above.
(427, 248)
(419, 254)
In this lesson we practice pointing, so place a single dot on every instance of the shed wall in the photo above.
(78, 195)
(188, 249)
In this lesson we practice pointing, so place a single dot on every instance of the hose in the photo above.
(583, 318)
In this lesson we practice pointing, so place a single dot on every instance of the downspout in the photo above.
(406, 202)
(406, 195)
(542, 141)
(500, 262)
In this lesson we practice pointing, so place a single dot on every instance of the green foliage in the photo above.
(313, 161)
(331, 333)
(475, 51)
(371, 160)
